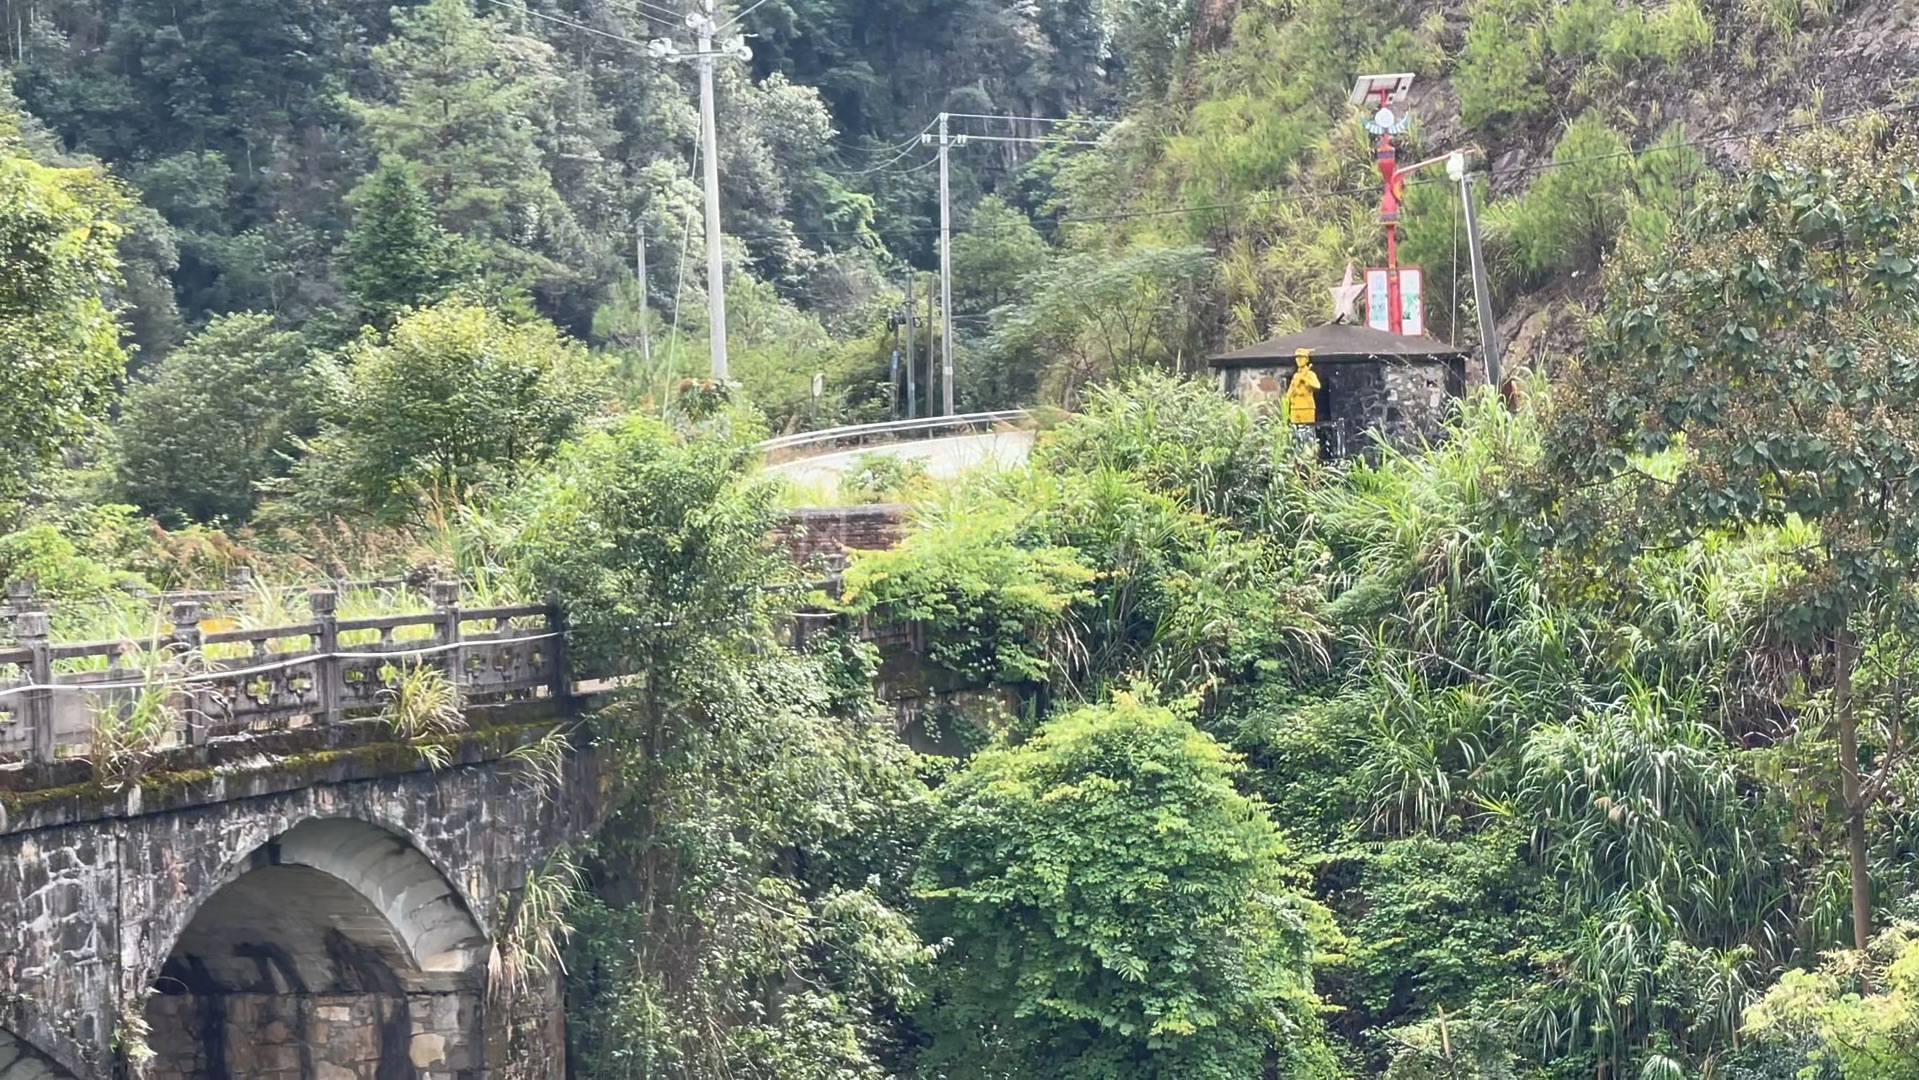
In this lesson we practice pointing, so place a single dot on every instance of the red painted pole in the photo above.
(1392, 279)
(1388, 157)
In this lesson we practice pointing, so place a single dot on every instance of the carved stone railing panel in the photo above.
(229, 683)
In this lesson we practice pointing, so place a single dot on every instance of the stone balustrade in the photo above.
(201, 686)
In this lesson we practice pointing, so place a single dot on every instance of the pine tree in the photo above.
(465, 106)
(397, 256)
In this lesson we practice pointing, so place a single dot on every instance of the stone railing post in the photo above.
(20, 598)
(30, 627)
(240, 583)
(446, 601)
(187, 639)
(559, 656)
(328, 680)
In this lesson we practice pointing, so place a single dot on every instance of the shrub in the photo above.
(1115, 907)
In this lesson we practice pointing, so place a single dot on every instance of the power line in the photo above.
(1305, 197)
(1282, 197)
(1034, 140)
(750, 10)
(569, 23)
(1034, 119)
(655, 11)
(679, 285)
(875, 150)
(904, 149)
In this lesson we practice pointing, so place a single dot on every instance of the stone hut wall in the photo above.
(1407, 400)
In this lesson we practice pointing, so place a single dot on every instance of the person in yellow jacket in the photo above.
(1301, 406)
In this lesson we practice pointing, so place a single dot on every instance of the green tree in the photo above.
(218, 415)
(994, 256)
(1092, 315)
(397, 256)
(59, 335)
(444, 402)
(464, 100)
(1857, 1013)
(1768, 355)
(1115, 908)
(750, 918)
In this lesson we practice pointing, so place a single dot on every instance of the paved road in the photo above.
(943, 457)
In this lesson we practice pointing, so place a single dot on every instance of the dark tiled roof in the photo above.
(1340, 341)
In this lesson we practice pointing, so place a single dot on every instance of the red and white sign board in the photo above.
(1412, 301)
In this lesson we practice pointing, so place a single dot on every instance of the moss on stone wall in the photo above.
(169, 786)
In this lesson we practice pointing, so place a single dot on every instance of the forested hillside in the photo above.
(1575, 745)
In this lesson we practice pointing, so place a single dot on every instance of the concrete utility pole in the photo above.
(639, 276)
(710, 144)
(946, 140)
(912, 391)
(703, 26)
(946, 277)
(1482, 293)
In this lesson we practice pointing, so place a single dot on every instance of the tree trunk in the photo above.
(1844, 654)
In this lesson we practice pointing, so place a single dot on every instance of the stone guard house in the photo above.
(1370, 380)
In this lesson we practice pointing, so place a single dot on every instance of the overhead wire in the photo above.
(1283, 197)
(648, 10)
(1037, 140)
(905, 148)
(755, 6)
(875, 150)
(1033, 119)
(679, 284)
(569, 23)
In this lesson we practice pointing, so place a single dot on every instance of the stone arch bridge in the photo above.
(287, 888)
(282, 887)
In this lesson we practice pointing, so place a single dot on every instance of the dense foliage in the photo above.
(1115, 907)
(225, 411)
(1576, 745)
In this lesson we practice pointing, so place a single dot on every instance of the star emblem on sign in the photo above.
(1345, 295)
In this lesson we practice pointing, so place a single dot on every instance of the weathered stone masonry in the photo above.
(303, 901)
(328, 915)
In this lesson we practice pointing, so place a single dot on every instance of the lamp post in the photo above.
(1482, 293)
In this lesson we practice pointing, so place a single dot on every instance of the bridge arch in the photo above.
(20, 1061)
(334, 950)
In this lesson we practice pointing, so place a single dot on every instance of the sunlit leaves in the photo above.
(1116, 909)
(58, 333)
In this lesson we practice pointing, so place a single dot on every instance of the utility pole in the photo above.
(1482, 293)
(639, 276)
(946, 140)
(710, 143)
(703, 26)
(912, 392)
(946, 277)
(931, 347)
